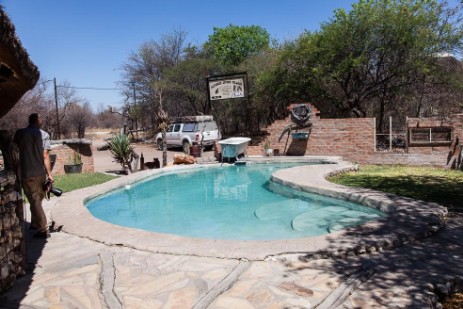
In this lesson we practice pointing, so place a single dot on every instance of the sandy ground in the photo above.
(104, 162)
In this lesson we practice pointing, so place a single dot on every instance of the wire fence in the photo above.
(391, 142)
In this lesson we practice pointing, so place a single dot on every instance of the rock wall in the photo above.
(12, 253)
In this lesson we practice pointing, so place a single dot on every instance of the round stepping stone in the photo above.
(333, 209)
(279, 210)
(312, 220)
(344, 223)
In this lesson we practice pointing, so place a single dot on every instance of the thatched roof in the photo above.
(17, 72)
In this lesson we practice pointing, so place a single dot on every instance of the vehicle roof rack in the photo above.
(195, 118)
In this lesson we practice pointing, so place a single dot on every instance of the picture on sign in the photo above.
(226, 88)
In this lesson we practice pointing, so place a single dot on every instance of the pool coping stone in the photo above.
(408, 220)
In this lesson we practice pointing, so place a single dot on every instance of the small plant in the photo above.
(75, 159)
(268, 151)
(267, 144)
(121, 150)
(74, 164)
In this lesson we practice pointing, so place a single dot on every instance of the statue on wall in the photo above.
(300, 116)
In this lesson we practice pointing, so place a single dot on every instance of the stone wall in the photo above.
(12, 255)
(65, 150)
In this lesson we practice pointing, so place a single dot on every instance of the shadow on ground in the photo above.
(413, 274)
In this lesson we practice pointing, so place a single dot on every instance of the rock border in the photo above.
(408, 219)
(373, 236)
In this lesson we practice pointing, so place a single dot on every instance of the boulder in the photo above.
(183, 159)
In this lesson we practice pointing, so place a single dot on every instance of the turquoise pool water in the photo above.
(229, 202)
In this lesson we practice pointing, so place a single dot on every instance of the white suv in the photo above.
(191, 130)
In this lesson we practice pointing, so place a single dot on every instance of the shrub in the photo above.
(121, 150)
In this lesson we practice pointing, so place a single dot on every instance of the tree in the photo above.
(79, 117)
(35, 100)
(106, 118)
(146, 67)
(162, 118)
(180, 70)
(234, 44)
(70, 111)
(435, 96)
(361, 61)
(185, 85)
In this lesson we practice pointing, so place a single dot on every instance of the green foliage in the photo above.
(382, 58)
(185, 85)
(267, 144)
(249, 115)
(234, 44)
(364, 61)
(69, 182)
(438, 185)
(121, 150)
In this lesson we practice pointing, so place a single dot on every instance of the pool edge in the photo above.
(77, 220)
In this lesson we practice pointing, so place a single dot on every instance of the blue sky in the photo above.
(85, 42)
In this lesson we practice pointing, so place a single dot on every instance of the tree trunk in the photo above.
(134, 162)
(381, 116)
(164, 148)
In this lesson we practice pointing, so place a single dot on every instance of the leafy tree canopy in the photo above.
(234, 44)
(362, 60)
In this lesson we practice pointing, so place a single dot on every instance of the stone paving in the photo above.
(71, 271)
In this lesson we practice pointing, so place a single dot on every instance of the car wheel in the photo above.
(159, 144)
(186, 147)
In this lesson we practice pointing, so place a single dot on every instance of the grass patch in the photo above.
(438, 185)
(69, 182)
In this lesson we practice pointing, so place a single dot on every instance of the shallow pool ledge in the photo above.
(409, 220)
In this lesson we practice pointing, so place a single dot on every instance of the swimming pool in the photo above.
(229, 202)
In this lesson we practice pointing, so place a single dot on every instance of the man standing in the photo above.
(34, 147)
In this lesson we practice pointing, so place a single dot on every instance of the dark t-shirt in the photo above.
(29, 141)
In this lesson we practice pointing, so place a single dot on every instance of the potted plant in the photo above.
(74, 164)
(268, 151)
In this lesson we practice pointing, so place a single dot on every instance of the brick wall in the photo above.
(352, 138)
(430, 159)
(449, 155)
(64, 151)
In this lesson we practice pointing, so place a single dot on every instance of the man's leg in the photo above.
(33, 188)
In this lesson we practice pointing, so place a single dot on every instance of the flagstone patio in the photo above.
(401, 262)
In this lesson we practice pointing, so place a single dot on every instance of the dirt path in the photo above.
(103, 161)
